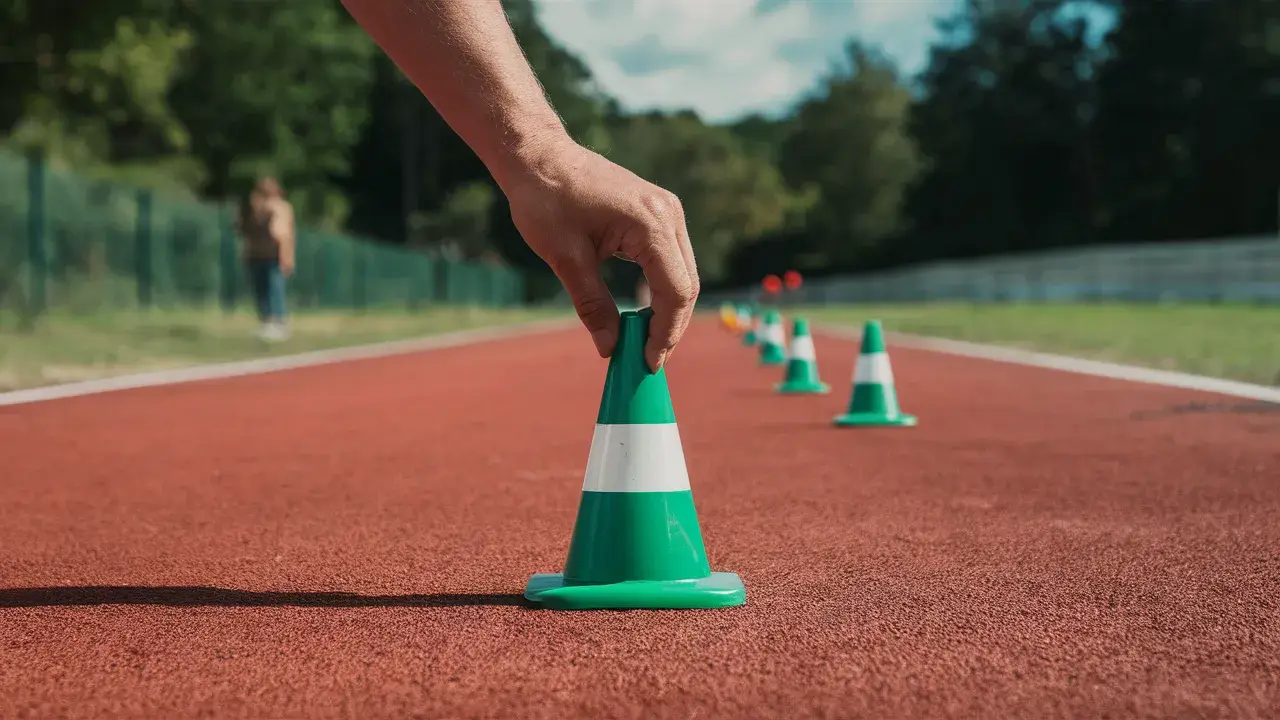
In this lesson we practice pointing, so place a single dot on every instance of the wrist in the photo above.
(529, 153)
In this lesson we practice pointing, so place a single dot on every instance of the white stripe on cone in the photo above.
(802, 348)
(636, 458)
(774, 334)
(873, 369)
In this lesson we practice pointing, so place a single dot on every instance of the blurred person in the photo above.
(573, 207)
(267, 225)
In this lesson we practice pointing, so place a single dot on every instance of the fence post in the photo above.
(449, 286)
(360, 278)
(227, 257)
(329, 274)
(37, 226)
(142, 248)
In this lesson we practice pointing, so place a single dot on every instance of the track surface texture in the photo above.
(351, 541)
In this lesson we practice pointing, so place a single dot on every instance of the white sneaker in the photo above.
(273, 332)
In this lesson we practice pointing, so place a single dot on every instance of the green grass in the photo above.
(66, 347)
(1240, 342)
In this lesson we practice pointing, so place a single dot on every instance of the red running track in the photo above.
(351, 540)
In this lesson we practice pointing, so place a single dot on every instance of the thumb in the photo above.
(592, 301)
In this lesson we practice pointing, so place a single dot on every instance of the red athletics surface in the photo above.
(351, 541)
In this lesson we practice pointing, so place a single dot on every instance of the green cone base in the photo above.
(773, 357)
(803, 387)
(875, 420)
(718, 590)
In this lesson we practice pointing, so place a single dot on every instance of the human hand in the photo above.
(574, 208)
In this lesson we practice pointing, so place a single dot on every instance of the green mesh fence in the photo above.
(74, 242)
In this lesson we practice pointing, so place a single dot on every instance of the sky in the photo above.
(729, 58)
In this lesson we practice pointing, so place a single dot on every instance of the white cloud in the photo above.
(723, 57)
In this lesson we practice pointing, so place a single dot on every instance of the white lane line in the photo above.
(282, 362)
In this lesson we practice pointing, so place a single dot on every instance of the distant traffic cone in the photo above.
(729, 316)
(802, 365)
(636, 542)
(875, 400)
(751, 323)
(773, 340)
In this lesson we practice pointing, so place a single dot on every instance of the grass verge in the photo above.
(1239, 342)
(67, 347)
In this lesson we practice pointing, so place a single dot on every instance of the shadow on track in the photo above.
(224, 597)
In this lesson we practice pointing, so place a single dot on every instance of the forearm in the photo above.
(463, 56)
(287, 254)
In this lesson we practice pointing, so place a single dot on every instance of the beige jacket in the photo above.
(268, 230)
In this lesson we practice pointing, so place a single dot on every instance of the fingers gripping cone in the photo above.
(636, 542)
(875, 400)
(802, 365)
(773, 340)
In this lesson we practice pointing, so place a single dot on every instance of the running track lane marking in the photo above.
(466, 337)
(282, 362)
(1066, 363)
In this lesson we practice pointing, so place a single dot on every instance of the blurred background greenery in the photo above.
(1021, 134)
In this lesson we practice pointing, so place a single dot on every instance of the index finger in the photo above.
(673, 290)
(690, 263)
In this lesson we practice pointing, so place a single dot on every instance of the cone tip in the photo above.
(872, 337)
(633, 333)
(636, 323)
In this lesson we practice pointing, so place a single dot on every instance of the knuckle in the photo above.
(685, 290)
(592, 311)
(661, 206)
(673, 203)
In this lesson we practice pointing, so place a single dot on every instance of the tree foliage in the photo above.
(851, 146)
(1026, 130)
(729, 195)
(1038, 137)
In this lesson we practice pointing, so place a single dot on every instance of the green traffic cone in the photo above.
(751, 321)
(773, 340)
(636, 542)
(728, 316)
(875, 400)
(802, 365)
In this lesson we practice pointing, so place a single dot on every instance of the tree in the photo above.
(763, 136)
(1188, 105)
(276, 88)
(94, 90)
(729, 195)
(459, 229)
(1005, 123)
(850, 144)
(409, 162)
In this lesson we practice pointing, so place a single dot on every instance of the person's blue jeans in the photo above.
(267, 282)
